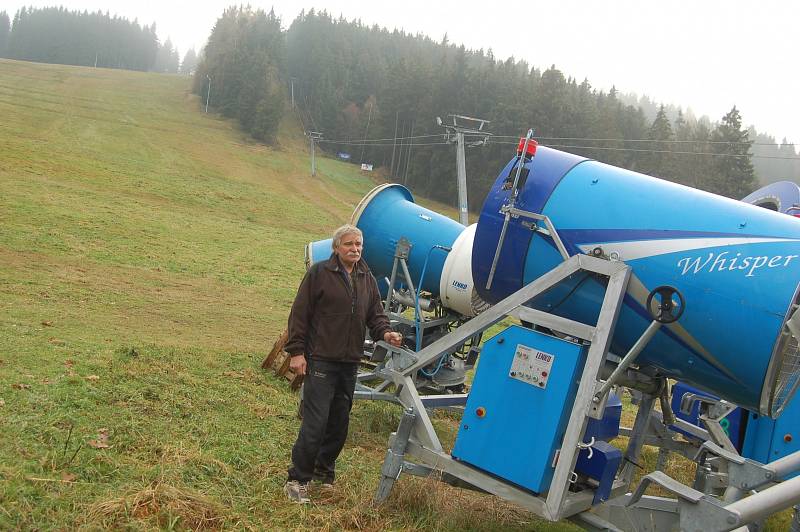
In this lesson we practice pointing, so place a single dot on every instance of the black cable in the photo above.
(572, 291)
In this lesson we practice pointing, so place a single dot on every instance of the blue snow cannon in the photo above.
(318, 251)
(737, 266)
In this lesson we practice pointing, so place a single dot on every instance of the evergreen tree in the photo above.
(684, 163)
(244, 60)
(5, 30)
(56, 35)
(733, 173)
(701, 166)
(167, 59)
(776, 161)
(658, 161)
(189, 63)
(353, 81)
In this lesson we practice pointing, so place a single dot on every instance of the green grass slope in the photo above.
(148, 257)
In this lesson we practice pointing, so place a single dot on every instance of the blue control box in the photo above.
(519, 405)
(768, 439)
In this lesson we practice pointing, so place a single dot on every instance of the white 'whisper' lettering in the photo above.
(726, 262)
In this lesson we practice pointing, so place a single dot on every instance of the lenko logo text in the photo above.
(720, 262)
(459, 285)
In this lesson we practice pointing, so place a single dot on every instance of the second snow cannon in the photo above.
(438, 249)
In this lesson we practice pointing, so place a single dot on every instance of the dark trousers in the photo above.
(327, 398)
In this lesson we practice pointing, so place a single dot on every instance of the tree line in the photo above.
(354, 82)
(60, 36)
(357, 83)
(772, 160)
(244, 66)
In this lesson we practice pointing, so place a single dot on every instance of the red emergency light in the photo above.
(530, 151)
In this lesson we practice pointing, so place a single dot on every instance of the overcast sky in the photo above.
(706, 55)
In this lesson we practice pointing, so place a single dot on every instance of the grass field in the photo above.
(148, 256)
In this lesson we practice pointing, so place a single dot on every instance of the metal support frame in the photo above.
(423, 443)
(509, 211)
(402, 250)
(393, 463)
(701, 512)
(712, 412)
(394, 354)
(650, 513)
(549, 230)
(719, 470)
(416, 449)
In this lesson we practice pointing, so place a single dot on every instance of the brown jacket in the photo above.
(329, 318)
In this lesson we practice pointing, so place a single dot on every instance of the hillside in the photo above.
(148, 256)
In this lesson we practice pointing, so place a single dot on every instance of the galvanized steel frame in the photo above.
(423, 443)
(417, 439)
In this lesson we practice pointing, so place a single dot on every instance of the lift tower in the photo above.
(314, 136)
(464, 126)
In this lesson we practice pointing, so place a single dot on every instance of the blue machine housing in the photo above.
(767, 440)
(736, 265)
(600, 463)
(512, 428)
(755, 436)
(781, 196)
(422, 227)
(318, 251)
(606, 428)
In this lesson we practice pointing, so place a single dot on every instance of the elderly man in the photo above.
(335, 304)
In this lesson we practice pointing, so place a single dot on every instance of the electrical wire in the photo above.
(403, 138)
(608, 148)
(589, 139)
(577, 147)
(358, 143)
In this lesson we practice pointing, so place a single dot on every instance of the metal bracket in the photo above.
(698, 511)
(743, 474)
(399, 358)
(712, 412)
(627, 360)
(550, 230)
(668, 483)
(701, 513)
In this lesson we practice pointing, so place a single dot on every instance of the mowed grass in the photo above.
(148, 257)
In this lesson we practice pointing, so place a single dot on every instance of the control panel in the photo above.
(531, 366)
(519, 406)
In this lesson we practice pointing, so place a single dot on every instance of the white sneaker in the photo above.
(296, 491)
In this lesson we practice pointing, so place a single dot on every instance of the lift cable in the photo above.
(573, 147)
(641, 150)
(517, 137)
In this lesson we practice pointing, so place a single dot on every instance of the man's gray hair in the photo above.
(346, 229)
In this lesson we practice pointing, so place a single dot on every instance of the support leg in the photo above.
(663, 458)
(393, 462)
(636, 442)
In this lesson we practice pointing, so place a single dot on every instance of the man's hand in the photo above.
(394, 338)
(298, 364)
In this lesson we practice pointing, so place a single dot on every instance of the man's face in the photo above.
(349, 249)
